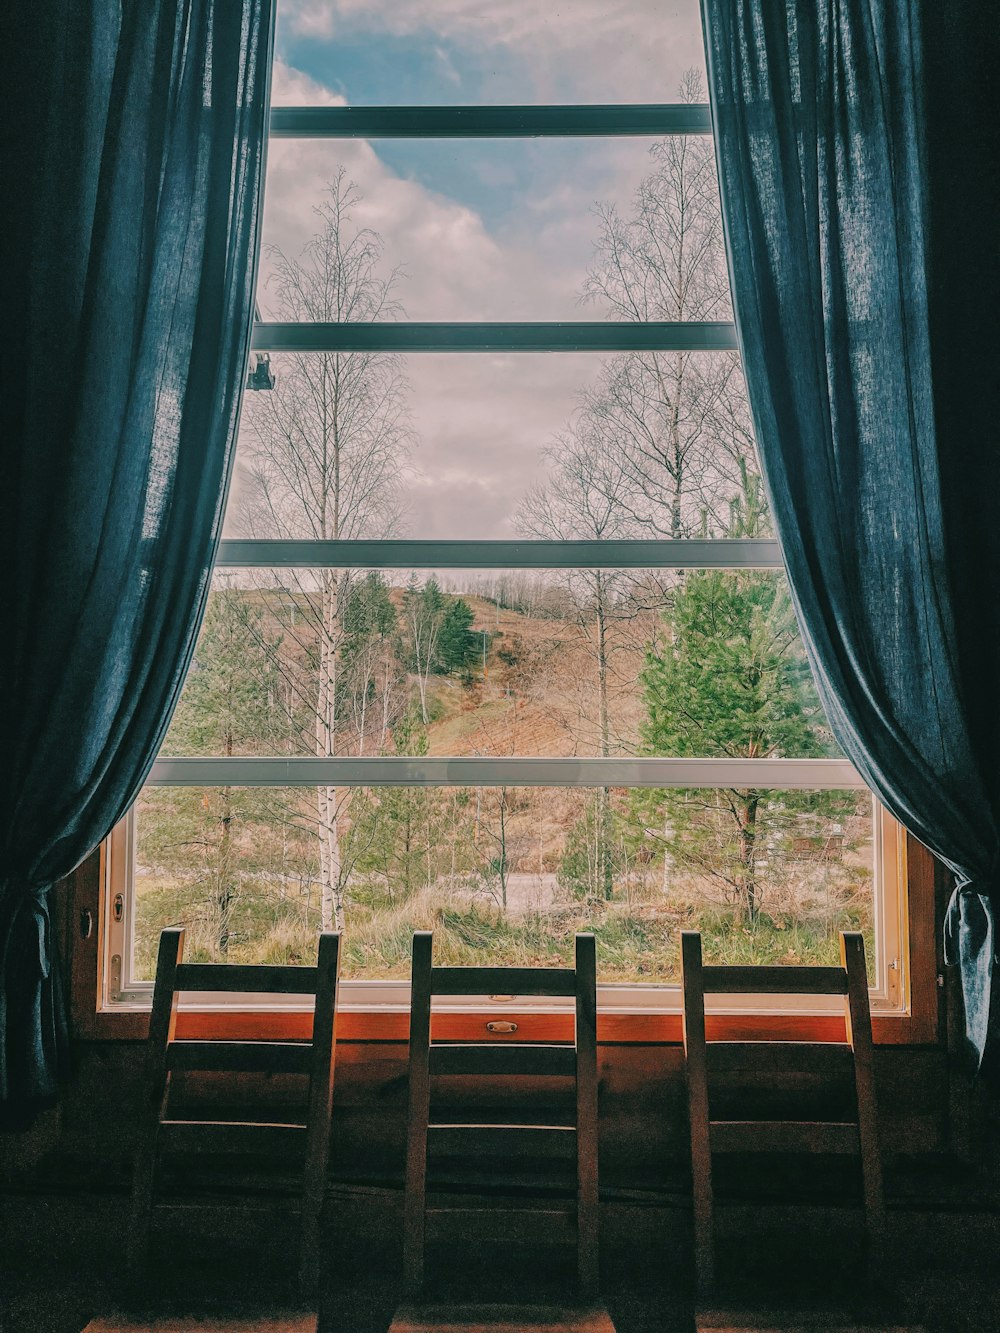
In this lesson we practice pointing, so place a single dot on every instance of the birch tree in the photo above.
(324, 457)
(678, 419)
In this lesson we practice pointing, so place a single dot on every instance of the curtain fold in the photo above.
(136, 138)
(858, 156)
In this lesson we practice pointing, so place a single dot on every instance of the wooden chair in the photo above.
(856, 1136)
(168, 1056)
(429, 1059)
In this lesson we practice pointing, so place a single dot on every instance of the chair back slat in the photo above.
(240, 978)
(502, 981)
(232, 1136)
(508, 1059)
(828, 1058)
(811, 1136)
(532, 1226)
(508, 1141)
(240, 1057)
(774, 980)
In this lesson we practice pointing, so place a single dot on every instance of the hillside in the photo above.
(539, 692)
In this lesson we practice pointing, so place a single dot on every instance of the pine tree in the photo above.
(391, 831)
(234, 703)
(457, 645)
(372, 677)
(727, 677)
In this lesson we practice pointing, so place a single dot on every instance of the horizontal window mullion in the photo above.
(475, 771)
(670, 553)
(538, 336)
(489, 122)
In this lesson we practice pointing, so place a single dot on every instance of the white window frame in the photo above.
(890, 993)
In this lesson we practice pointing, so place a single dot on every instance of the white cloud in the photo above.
(613, 50)
(482, 421)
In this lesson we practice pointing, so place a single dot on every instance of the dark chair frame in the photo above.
(703, 1058)
(429, 1059)
(168, 1055)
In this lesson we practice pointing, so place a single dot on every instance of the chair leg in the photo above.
(161, 1030)
(704, 1248)
(140, 1219)
(309, 1262)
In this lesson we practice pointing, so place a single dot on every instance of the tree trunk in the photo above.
(503, 848)
(605, 878)
(224, 889)
(748, 856)
(331, 896)
(667, 831)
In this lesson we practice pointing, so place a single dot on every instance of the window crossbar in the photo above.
(537, 336)
(668, 553)
(653, 120)
(489, 771)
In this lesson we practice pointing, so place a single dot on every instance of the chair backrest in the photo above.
(503, 1056)
(703, 1058)
(168, 1055)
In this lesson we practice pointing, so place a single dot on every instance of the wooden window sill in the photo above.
(393, 1026)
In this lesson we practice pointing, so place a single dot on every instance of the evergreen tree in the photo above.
(391, 830)
(234, 703)
(593, 856)
(372, 678)
(457, 645)
(727, 677)
(235, 700)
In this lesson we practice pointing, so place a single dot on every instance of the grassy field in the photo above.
(637, 941)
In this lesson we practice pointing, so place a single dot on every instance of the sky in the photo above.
(494, 230)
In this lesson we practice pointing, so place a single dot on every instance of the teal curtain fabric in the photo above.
(857, 146)
(135, 137)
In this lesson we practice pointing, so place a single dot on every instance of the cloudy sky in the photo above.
(498, 229)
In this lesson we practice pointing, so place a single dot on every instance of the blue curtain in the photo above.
(858, 157)
(136, 144)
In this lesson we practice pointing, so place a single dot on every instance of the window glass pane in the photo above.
(479, 229)
(503, 876)
(473, 51)
(701, 664)
(489, 446)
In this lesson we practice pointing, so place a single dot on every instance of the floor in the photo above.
(54, 1300)
(58, 1286)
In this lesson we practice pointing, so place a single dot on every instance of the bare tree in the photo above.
(588, 496)
(679, 419)
(423, 613)
(325, 455)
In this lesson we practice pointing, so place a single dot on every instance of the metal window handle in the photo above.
(497, 1026)
(86, 924)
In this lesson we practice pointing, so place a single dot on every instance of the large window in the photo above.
(499, 641)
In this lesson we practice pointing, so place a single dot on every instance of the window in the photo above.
(499, 641)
